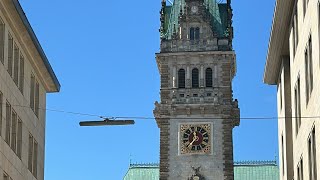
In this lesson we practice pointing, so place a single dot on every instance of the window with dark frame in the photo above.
(33, 156)
(300, 170)
(295, 32)
(195, 78)
(10, 54)
(21, 78)
(304, 7)
(34, 95)
(8, 123)
(310, 64)
(209, 77)
(197, 33)
(181, 78)
(297, 105)
(14, 123)
(192, 33)
(16, 65)
(308, 69)
(19, 138)
(2, 37)
(312, 155)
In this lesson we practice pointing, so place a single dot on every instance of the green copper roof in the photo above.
(256, 170)
(259, 170)
(217, 11)
(142, 171)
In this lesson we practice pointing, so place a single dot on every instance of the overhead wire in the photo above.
(163, 117)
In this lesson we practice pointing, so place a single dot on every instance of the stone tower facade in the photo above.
(197, 113)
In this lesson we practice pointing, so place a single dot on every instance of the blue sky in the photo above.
(103, 53)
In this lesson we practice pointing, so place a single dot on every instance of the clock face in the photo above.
(194, 9)
(195, 138)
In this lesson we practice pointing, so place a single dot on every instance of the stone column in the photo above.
(188, 82)
(174, 77)
(202, 76)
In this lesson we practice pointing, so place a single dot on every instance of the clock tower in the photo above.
(197, 113)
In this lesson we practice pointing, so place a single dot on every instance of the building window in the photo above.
(19, 138)
(304, 7)
(312, 156)
(21, 80)
(14, 123)
(197, 34)
(13, 130)
(8, 123)
(181, 78)
(33, 156)
(195, 78)
(10, 54)
(2, 34)
(34, 95)
(297, 105)
(208, 77)
(295, 33)
(16, 65)
(194, 33)
(309, 70)
(300, 170)
(280, 92)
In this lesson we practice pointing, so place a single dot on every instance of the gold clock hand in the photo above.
(195, 138)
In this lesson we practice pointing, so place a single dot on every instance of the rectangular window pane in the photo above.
(32, 84)
(35, 159)
(314, 152)
(296, 109)
(21, 79)
(16, 65)
(307, 74)
(297, 106)
(2, 33)
(10, 54)
(14, 131)
(30, 152)
(8, 123)
(310, 65)
(19, 145)
(310, 159)
(37, 94)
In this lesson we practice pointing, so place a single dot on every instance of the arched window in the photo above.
(195, 78)
(192, 33)
(181, 78)
(197, 34)
(208, 77)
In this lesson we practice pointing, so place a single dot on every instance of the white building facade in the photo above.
(293, 64)
(25, 78)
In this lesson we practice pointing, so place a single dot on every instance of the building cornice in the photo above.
(31, 43)
(279, 30)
